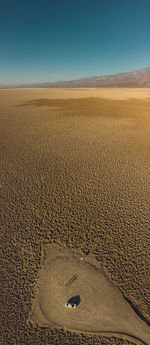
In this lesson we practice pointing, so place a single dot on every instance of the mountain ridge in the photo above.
(136, 78)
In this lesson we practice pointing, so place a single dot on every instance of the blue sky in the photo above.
(69, 39)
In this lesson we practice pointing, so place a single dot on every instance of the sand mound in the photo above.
(68, 276)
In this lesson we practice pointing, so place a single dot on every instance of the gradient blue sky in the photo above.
(69, 39)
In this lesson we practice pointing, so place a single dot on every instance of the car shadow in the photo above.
(75, 300)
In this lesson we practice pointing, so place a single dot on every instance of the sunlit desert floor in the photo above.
(75, 167)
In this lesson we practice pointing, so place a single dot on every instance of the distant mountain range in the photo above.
(137, 78)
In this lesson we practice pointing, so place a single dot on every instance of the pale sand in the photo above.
(101, 309)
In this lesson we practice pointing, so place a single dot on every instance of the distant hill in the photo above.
(137, 78)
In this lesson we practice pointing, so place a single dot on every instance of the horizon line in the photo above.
(3, 86)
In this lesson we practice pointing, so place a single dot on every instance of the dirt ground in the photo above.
(75, 167)
(68, 276)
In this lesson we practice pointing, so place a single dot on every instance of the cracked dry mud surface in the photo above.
(74, 172)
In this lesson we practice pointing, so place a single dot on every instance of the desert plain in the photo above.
(75, 167)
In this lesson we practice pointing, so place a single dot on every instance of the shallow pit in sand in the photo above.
(100, 306)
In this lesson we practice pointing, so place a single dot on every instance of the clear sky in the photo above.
(49, 40)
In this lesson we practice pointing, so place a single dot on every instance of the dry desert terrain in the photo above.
(75, 167)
